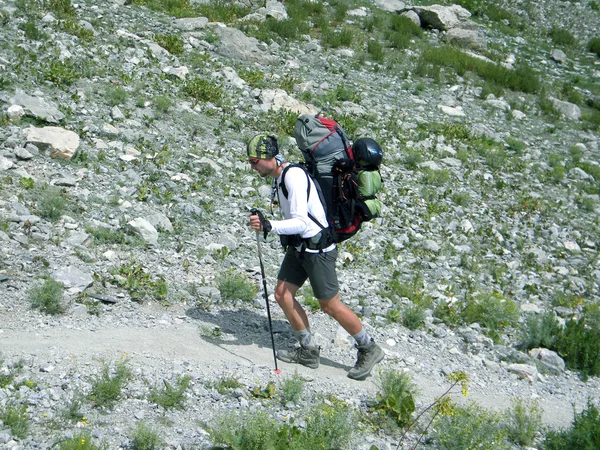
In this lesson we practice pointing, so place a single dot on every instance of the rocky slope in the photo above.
(123, 177)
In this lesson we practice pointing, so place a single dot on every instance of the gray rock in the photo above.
(548, 360)
(567, 109)
(144, 229)
(234, 44)
(62, 143)
(37, 107)
(73, 278)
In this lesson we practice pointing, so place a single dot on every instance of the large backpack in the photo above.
(348, 184)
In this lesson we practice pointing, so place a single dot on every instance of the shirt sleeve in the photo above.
(296, 183)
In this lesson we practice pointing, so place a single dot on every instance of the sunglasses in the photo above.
(253, 161)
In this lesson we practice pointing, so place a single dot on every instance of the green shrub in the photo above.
(72, 27)
(107, 387)
(225, 384)
(14, 416)
(291, 388)
(61, 8)
(396, 396)
(594, 46)
(145, 438)
(61, 73)
(461, 198)
(435, 177)
(492, 311)
(412, 159)
(235, 286)
(221, 10)
(163, 103)
(540, 331)
(32, 31)
(139, 283)
(469, 427)
(47, 297)
(116, 95)
(171, 42)
(523, 422)
(326, 427)
(522, 78)
(80, 441)
(171, 397)
(413, 316)
(579, 343)
(401, 31)
(177, 8)
(72, 410)
(584, 433)
(335, 39)
(51, 204)
(561, 36)
(203, 91)
(375, 49)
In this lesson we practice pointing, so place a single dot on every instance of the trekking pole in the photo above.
(265, 294)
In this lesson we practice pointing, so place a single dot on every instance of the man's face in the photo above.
(261, 166)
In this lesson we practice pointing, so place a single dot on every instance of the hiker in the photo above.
(310, 254)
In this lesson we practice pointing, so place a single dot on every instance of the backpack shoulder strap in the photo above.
(285, 192)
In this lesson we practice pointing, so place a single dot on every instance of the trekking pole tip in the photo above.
(277, 371)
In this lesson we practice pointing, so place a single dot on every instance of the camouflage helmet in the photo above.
(262, 146)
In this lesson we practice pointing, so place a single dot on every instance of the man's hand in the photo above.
(258, 222)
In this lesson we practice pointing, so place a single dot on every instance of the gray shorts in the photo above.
(319, 268)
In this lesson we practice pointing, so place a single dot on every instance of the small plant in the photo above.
(61, 73)
(51, 204)
(523, 422)
(80, 441)
(225, 384)
(267, 391)
(540, 331)
(492, 311)
(145, 438)
(171, 42)
(203, 91)
(171, 397)
(14, 416)
(594, 46)
(561, 36)
(47, 297)
(413, 316)
(116, 95)
(107, 387)
(235, 286)
(580, 344)
(469, 427)
(139, 283)
(291, 388)
(163, 104)
(584, 433)
(375, 49)
(27, 183)
(72, 411)
(396, 396)
(461, 198)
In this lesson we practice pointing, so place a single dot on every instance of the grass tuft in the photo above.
(47, 297)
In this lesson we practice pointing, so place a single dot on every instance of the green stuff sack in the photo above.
(369, 184)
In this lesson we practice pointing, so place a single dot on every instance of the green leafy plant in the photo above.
(291, 388)
(80, 441)
(523, 422)
(47, 297)
(469, 427)
(72, 410)
(51, 204)
(396, 396)
(594, 46)
(540, 331)
(579, 343)
(375, 50)
(492, 311)
(202, 91)
(267, 391)
(145, 438)
(171, 42)
(139, 283)
(225, 384)
(108, 385)
(171, 396)
(562, 36)
(413, 316)
(163, 103)
(235, 286)
(584, 433)
(61, 73)
(116, 95)
(14, 416)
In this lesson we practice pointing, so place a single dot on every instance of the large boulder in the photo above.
(234, 44)
(441, 17)
(37, 108)
(61, 143)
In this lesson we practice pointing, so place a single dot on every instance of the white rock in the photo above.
(144, 229)
(62, 143)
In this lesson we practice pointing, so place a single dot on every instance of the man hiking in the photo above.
(310, 254)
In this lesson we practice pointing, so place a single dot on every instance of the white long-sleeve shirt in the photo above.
(296, 206)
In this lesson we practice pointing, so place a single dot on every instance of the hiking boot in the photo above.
(368, 356)
(307, 356)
